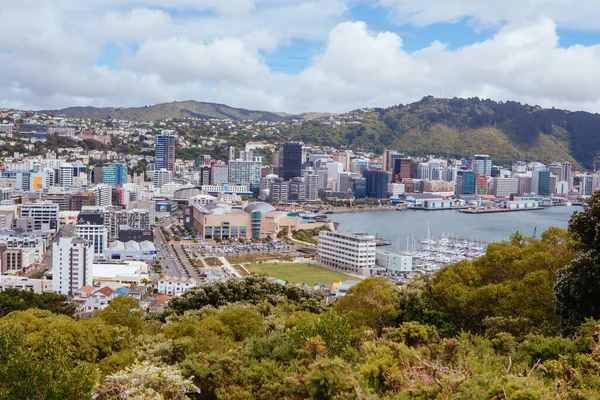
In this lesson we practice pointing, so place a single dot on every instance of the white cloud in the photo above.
(208, 52)
(580, 15)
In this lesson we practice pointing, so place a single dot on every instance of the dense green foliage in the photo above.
(508, 131)
(485, 329)
(16, 300)
(578, 286)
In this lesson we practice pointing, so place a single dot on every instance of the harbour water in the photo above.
(397, 226)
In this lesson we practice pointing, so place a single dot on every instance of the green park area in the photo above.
(298, 273)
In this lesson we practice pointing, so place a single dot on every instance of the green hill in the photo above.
(507, 131)
(177, 109)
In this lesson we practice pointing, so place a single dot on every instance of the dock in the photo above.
(496, 210)
(382, 242)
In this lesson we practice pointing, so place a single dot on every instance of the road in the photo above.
(169, 263)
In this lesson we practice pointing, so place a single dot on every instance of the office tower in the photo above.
(114, 174)
(377, 184)
(65, 175)
(501, 187)
(23, 181)
(91, 226)
(103, 194)
(220, 174)
(524, 184)
(279, 191)
(292, 160)
(424, 171)
(97, 175)
(246, 155)
(244, 172)
(82, 199)
(556, 168)
(72, 260)
(345, 181)
(312, 185)
(588, 185)
(205, 175)
(164, 157)
(359, 188)
(540, 182)
(437, 173)
(465, 181)
(297, 191)
(566, 174)
(231, 153)
(482, 164)
(161, 177)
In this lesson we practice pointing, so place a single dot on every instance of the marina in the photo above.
(431, 254)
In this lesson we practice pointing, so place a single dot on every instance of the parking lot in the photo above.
(276, 245)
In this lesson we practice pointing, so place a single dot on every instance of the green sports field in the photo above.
(298, 273)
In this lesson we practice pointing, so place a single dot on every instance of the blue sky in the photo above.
(299, 55)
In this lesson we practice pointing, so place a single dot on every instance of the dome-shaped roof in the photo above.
(259, 206)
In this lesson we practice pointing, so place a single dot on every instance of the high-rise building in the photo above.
(114, 174)
(165, 153)
(231, 153)
(244, 172)
(72, 260)
(540, 182)
(206, 175)
(103, 195)
(501, 187)
(91, 226)
(312, 185)
(482, 164)
(279, 191)
(377, 184)
(465, 181)
(297, 190)
(292, 160)
(566, 174)
(65, 175)
(220, 174)
(161, 177)
(359, 188)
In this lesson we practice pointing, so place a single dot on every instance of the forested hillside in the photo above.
(455, 127)
(521, 322)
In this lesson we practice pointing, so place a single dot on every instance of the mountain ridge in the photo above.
(175, 109)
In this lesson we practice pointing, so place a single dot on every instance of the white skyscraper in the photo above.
(103, 195)
(161, 177)
(71, 265)
(65, 175)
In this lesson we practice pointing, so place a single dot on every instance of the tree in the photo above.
(123, 311)
(372, 304)
(17, 300)
(146, 381)
(577, 288)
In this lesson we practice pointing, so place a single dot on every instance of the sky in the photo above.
(298, 55)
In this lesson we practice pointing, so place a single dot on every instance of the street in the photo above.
(169, 263)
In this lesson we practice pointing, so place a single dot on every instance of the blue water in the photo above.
(396, 225)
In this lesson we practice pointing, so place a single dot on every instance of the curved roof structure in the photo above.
(259, 206)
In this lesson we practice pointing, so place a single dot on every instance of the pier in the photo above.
(496, 210)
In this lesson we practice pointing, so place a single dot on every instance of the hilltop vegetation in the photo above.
(487, 329)
(176, 109)
(507, 131)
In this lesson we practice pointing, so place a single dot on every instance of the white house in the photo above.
(174, 285)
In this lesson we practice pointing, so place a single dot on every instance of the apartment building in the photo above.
(352, 252)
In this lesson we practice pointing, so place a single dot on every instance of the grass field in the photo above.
(298, 273)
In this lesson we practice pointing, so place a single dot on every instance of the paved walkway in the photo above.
(232, 271)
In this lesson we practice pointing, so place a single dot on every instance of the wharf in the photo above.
(382, 242)
(496, 210)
